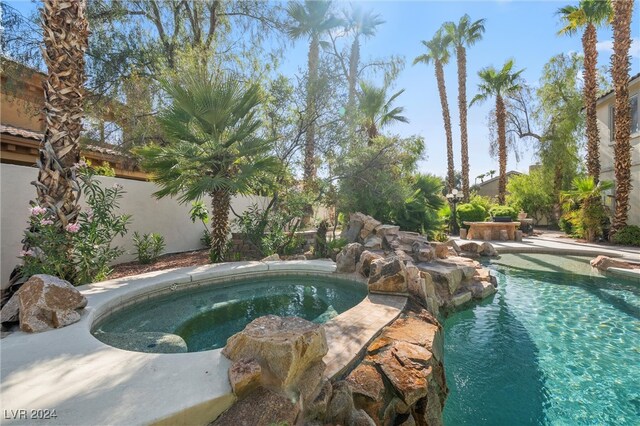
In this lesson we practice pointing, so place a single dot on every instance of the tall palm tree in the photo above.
(361, 23)
(498, 84)
(438, 53)
(311, 20)
(376, 110)
(589, 14)
(622, 124)
(462, 35)
(213, 148)
(65, 36)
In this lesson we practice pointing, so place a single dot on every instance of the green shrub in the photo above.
(565, 226)
(480, 200)
(148, 246)
(504, 211)
(628, 236)
(470, 213)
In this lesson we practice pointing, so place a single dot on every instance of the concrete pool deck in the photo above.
(88, 382)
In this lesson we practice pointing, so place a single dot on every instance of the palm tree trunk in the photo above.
(221, 201)
(461, 55)
(354, 60)
(309, 147)
(622, 147)
(501, 118)
(446, 117)
(589, 40)
(66, 32)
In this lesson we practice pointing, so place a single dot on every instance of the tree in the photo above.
(499, 83)
(213, 148)
(463, 35)
(622, 118)
(377, 111)
(311, 19)
(587, 219)
(360, 23)
(65, 30)
(438, 53)
(532, 193)
(589, 14)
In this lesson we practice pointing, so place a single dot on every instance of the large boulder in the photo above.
(245, 375)
(364, 265)
(604, 262)
(388, 276)
(487, 249)
(46, 302)
(285, 347)
(373, 242)
(348, 258)
(356, 223)
(369, 227)
(262, 407)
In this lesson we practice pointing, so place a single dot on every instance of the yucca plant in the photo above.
(213, 147)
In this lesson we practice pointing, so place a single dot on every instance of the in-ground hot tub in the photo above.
(203, 318)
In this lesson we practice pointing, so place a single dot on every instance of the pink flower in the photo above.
(37, 210)
(44, 222)
(79, 165)
(89, 213)
(26, 253)
(72, 227)
(117, 186)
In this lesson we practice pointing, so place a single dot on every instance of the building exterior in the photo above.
(489, 187)
(604, 108)
(22, 125)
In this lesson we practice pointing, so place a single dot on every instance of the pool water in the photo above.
(558, 344)
(206, 317)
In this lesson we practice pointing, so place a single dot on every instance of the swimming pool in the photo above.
(204, 318)
(558, 344)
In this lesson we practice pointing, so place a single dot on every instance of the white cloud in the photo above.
(607, 47)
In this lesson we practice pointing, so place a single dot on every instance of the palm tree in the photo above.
(311, 20)
(378, 112)
(361, 23)
(66, 32)
(589, 14)
(438, 53)
(212, 149)
(622, 124)
(586, 195)
(463, 35)
(499, 84)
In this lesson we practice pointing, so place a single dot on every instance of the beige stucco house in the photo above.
(604, 107)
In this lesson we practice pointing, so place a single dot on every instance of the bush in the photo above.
(148, 246)
(628, 236)
(81, 252)
(470, 213)
(486, 202)
(504, 211)
(565, 226)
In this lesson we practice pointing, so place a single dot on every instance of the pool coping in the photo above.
(89, 382)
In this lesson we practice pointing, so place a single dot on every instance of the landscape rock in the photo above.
(481, 289)
(341, 404)
(387, 276)
(364, 265)
(361, 418)
(369, 227)
(11, 310)
(368, 389)
(425, 254)
(470, 247)
(389, 232)
(317, 409)
(348, 258)
(285, 347)
(271, 258)
(352, 232)
(46, 302)
(460, 298)
(487, 249)
(409, 238)
(373, 242)
(604, 262)
(441, 250)
(244, 376)
(262, 407)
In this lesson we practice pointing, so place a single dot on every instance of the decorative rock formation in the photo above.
(364, 265)
(271, 258)
(604, 262)
(285, 347)
(244, 376)
(44, 302)
(348, 257)
(387, 276)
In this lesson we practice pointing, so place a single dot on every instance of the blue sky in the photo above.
(522, 30)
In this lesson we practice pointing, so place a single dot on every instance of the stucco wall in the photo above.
(607, 155)
(165, 216)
